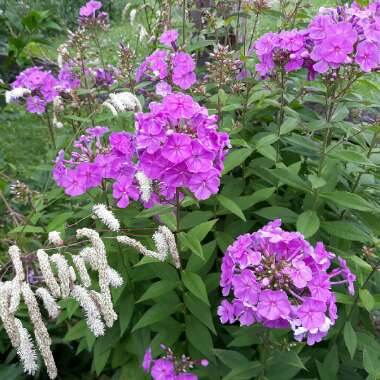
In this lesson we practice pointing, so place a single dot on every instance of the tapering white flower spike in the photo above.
(55, 239)
(15, 94)
(26, 350)
(145, 186)
(63, 272)
(47, 273)
(82, 270)
(40, 330)
(121, 102)
(6, 316)
(106, 216)
(15, 295)
(15, 255)
(93, 317)
(165, 244)
(49, 302)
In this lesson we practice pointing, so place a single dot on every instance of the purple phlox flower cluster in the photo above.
(336, 37)
(94, 161)
(278, 279)
(285, 49)
(90, 17)
(179, 145)
(104, 77)
(44, 87)
(173, 67)
(89, 9)
(168, 367)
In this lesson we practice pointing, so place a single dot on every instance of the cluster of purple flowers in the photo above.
(167, 68)
(95, 161)
(278, 279)
(336, 37)
(44, 87)
(90, 17)
(285, 49)
(169, 367)
(178, 145)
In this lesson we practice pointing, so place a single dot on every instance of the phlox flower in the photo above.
(278, 279)
(169, 367)
(90, 8)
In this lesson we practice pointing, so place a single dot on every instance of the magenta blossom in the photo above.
(169, 367)
(90, 8)
(169, 37)
(174, 67)
(278, 279)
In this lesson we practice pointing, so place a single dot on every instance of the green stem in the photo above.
(281, 113)
(178, 224)
(183, 22)
(51, 131)
(255, 22)
(326, 139)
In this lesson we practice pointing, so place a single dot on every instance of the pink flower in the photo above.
(177, 148)
(200, 159)
(179, 106)
(312, 313)
(300, 274)
(122, 190)
(163, 369)
(35, 104)
(226, 312)
(273, 304)
(246, 288)
(203, 185)
(147, 362)
(90, 8)
(73, 183)
(169, 37)
(367, 56)
(335, 48)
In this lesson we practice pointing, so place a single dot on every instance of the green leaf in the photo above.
(194, 283)
(100, 359)
(371, 360)
(350, 156)
(201, 231)
(291, 179)
(199, 336)
(308, 223)
(236, 158)
(316, 182)
(271, 213)
(59, 221)
(76, 332)
(157, 289)
(367, 299)
(350, 339)
(232, 359)
(125, 307)
(232, 206)
(266, 140)
(345, 230)
(244, 372)
(261, 195)
(199, 310)
(155, 210)
(28, 229)
(156, 313)
(349, 200)
(192, 243)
